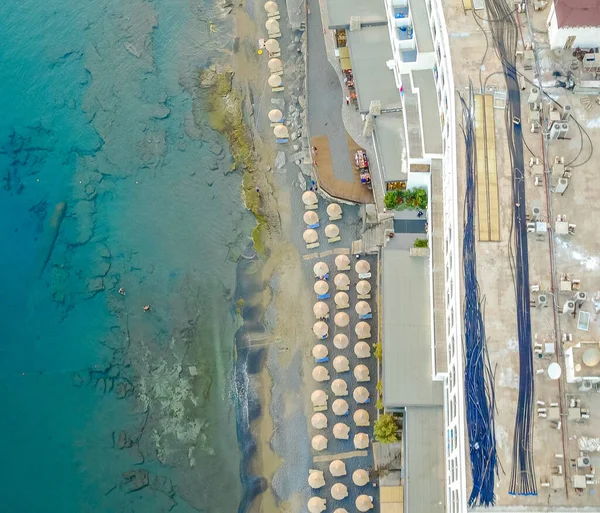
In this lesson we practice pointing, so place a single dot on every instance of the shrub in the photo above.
(378, 350)
(379, 387)
(379, 404)
(421, 243)
(385, 428)
(406, 199)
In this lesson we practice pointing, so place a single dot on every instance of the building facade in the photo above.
(574, 24)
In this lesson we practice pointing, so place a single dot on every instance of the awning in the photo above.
(345, 63)
(344, 52)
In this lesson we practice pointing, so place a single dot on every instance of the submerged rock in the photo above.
(135, 480)
(124, 441)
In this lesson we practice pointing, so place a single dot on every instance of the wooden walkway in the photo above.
(488, 208)
(350, 191)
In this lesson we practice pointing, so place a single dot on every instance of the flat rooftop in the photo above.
(424, 81)
(390, 139)
(413, 118)
(407, 361)
(420, 19)
(340, 12)
(370, 48)
(424, 461)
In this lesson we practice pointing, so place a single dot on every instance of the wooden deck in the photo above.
(350, 191)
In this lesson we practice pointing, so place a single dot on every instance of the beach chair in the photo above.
(334, 239)
(274, 15)
(316, 225)
(274, 35)
(322, 360)
(313, 245)
(363, 296)
(335, 218)
(321, 407)
(365, 317)
(281, 121)
(311, 207)
(346, 287)
(364, 276)
(342, 307)
(274, 54)
(323, 296)
(277, 89)
(347, 268)
(283, 141)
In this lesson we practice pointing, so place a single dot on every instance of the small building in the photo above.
(574, 24)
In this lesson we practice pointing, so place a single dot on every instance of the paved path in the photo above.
(325, 96)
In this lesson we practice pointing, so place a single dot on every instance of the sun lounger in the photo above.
(274, 35)
(274, 54)
(334, 239)
(347, 268)
(322, 360)
(335, 218)
(280, 72)
(364, 296)
(273, 125)
(343, 288)
(322, 407)
(313, 245)
(365, 317)
(324, 277)
(312, 207)
(364, 276)
(323, 296)
(283, 141)
(277, 89)
(342, 307)
(316, 225)
(273, 15)
(322, 318)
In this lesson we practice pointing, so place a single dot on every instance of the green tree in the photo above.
(385, 429)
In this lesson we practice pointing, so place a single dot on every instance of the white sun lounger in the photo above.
(313, 245)
(347, 268)
(364, 276)
(345, 287)
(335, 218)
(342, 307)
(363, 296)
(334, 239)
(312, 207)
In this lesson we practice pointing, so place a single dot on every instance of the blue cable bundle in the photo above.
(479, 389)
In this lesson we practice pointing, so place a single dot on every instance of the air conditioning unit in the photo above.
(542, 301)
(568, 307)
(561, 185)
(584, 461)
(580, 298)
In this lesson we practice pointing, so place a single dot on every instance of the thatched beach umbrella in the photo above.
(320, 329)
(341, 280)
(316, 505)
(321, 287)
(341, 319)
(272, 45)
(275, 65)
(363, 503)
(340, 510)
(362, 267)
(320, 351)
(339, 387)
(362, 330)
(271, 7)
(340, 407)
(363, 287)
(362, 308)
(320, 269)
(361, 418)
(320, 373)
(275, 115)
(319, 443)
(340, 341)
(337, 468)
(316, 479)
(361, 395)
(341, 364)
(319, 421)
(309, 198)
(341, 299)
(332, 230)
(318, 398)
(362, 350)
(310, 217)
(360, 477)
(339, 491)
(342, 262)
(361, 373)
(272, 26)
(341, 431)
(361, 441)
(320, 309)
(281, 132)
(334, 210)
(275, 80)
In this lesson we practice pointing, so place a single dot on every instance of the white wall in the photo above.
(585, 37)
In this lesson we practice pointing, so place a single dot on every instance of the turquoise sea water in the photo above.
(109, 182)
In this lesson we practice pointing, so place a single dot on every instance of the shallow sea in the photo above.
(111, 178)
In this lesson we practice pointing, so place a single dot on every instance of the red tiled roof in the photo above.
(577, 13)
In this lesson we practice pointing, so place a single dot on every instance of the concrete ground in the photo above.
(578, 254)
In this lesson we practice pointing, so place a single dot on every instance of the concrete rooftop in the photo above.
(340, 12)
(390, 139)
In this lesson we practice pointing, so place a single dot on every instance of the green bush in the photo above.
(379, 387)
(378, 350)
(379, 404)
(421, 243)
(406, 199)
(385, 428)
